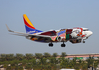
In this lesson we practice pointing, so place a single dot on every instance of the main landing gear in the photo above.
(63, 45)
(83, 41)
(51, 44)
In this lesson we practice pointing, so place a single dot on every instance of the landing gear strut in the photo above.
(63, 45)
(51, 44)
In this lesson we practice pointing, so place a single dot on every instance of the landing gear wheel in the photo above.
(83, 41)
(50, 45)
(63, 45)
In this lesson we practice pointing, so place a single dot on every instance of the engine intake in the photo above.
(59, 39)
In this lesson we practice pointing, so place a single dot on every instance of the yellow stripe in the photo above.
(28, 21)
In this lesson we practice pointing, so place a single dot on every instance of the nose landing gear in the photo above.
(83, 41)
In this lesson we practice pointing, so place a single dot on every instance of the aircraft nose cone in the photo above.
(90, 33)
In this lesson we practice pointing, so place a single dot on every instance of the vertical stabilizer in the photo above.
(29, 26)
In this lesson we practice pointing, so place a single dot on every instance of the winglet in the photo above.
(8, 28)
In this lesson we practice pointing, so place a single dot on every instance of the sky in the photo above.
(47, 15)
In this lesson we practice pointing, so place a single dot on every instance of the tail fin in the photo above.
(29, 26)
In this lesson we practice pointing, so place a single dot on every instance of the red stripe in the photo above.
(27, 24)
(81, 29)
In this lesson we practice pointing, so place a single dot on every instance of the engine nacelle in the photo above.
(59, 39)
(75, 41)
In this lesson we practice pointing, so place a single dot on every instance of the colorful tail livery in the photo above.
(30, 29)
(74, 35)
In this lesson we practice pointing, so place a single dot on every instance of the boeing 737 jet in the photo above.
(74, 35)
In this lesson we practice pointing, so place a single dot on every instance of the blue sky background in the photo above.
(46, 15)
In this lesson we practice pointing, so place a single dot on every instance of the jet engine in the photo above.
(76, 41)
(59, 39)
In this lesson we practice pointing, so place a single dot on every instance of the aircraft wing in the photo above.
(25, 34)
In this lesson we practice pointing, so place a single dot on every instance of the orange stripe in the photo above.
(28, 21)
(27, 24)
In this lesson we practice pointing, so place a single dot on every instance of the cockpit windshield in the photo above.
(86, 30)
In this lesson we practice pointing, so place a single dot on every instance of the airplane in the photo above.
(74, 35)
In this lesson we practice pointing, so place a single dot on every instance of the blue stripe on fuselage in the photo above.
(31, 31)
(61, 32)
